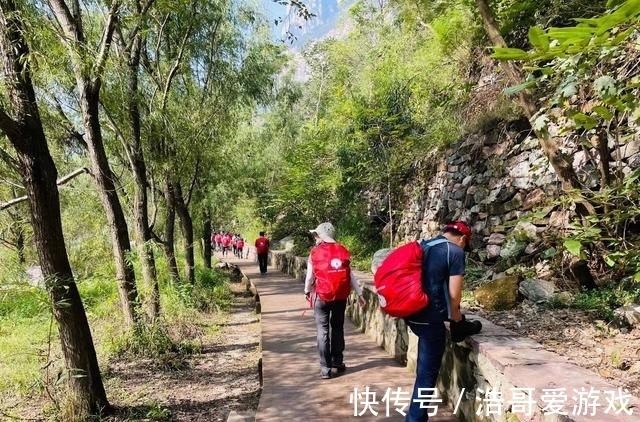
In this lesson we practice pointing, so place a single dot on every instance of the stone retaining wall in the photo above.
(494, 181)
(495, 362)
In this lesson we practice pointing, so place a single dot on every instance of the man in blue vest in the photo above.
(442, 279)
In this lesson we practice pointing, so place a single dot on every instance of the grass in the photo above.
(21, 301)
(29, 344)
(23, 347)
(24, 328)
(603, 301)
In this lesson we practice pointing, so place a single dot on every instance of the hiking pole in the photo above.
(310, 300)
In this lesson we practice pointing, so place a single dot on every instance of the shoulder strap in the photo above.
(427, 245)
(435, 242)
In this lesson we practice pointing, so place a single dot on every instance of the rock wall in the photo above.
(495, 180)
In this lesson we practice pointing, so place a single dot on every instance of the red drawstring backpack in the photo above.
(398, 280)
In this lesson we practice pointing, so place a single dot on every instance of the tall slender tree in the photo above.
(551, 146)
(130, 43)
(88, 66)
(24, 130)
(163, 65)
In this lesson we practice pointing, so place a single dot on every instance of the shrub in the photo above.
(602, 302)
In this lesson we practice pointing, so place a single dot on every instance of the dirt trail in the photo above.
(206, 386)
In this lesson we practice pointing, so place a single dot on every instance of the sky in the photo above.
(327, 13)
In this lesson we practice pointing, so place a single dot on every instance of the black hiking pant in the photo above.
(262, 262)
(330, 330)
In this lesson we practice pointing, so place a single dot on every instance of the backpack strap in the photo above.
(433, 242)
(425, 248)
(427, 245)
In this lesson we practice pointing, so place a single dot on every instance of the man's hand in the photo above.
(456, 315)
(307, 296)
(362, 301)
(463, 328)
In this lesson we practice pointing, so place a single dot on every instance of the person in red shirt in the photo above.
(217, 239)
(240, 247)
(225, 241)
(262, 250)
(234, 244)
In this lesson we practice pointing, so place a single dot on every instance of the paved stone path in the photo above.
(292, 388)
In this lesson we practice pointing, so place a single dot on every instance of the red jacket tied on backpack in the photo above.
(331, 268)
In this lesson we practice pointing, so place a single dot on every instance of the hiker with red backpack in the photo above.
(443, 268)
(327, 286)
(262, 251)
(218, 241)
(225, 243)
(239, 246)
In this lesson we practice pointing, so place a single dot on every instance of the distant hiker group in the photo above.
(225, 242)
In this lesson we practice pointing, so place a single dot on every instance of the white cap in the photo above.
(325, 232)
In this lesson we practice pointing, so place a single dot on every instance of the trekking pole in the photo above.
(310, 300)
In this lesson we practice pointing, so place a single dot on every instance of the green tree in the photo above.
(25, 132)
(590, 96)
(87, 59)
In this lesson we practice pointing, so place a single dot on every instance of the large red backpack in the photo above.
(331, 267)
(398, 280)
(262, 245)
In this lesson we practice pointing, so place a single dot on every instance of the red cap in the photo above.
(462, 228)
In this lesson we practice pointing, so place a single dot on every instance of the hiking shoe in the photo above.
(463, 328)
(325, 376)
(340, 368)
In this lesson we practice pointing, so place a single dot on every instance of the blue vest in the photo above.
(435, 280)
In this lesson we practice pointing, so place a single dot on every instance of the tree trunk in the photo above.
(20, 245)
(144, 243)
(187, 232)
(38, 171)
(16, 230)
(550, 146)
(104, 179)
(169, 232)
(206, 239)
(140, 202)
(70, 24)
(601, 143)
